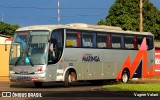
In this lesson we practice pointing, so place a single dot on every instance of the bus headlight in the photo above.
(39, 72)
(11, 72)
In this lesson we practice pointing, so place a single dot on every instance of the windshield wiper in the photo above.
(18, 59)
(21, 53)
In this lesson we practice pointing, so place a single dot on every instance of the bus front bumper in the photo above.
(27, 78)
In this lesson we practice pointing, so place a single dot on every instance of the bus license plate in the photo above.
(23, 78)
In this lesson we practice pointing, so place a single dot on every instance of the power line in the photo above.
(84, 15)
(65, 16)
(51, 8)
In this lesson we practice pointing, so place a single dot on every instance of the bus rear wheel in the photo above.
(125, 77)
(38, 84)
(69, 78)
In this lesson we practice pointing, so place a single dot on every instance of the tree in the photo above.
(8, 29)
(125, 14)
(101, 22)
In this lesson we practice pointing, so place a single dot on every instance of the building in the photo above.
(5, 42)
(157, 58)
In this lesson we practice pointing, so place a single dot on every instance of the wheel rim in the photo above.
(125, 78)
(69, 78)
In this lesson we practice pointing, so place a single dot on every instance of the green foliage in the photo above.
(134, 87)
(101, 22)
(125, 14)
(8, 29)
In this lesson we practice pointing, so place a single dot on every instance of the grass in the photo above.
(154, 77)
(134, 87)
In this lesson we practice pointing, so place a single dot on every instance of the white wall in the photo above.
(2, 40)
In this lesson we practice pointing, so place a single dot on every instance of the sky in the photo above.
(35, 12)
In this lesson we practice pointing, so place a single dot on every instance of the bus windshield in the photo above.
(29, 48)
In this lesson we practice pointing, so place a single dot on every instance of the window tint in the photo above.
(73, 39)
(149, 43)
(129, 42)
(91, 39)
(88, 39)
(139, 41)
(101, 40)
(116, 41)
(56, 46)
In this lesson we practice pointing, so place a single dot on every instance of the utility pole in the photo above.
(59, 12)
(141, 16)
(2, 16)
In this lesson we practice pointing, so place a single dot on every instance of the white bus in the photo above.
(77, 52)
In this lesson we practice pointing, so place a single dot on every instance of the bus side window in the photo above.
(149, 43)
(88, 39)
(101, 40)
(73, 39)
(129, 42)
(56, 47)
(139, 41)
(116, 41)
(52, 50)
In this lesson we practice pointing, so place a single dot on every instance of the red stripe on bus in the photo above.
(108, 42)
(135, 42)
(141, 55)
(79, 39)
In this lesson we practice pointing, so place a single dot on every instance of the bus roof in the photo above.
(82, 26)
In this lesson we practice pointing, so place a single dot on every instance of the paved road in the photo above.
(56, 91)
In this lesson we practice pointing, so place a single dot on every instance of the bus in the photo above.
(79, 52)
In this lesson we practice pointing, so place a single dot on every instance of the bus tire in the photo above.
(38, 84)
(125, 76)
(69, 78)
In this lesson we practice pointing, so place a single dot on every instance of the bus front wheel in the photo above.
(69, 77)
(125, 76)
